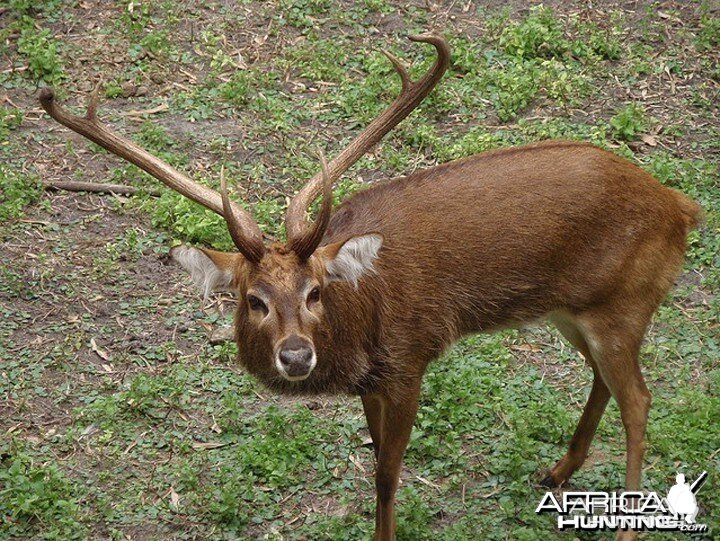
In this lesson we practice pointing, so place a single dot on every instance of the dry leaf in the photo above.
(526, 347)
(100, 353)
(427, 482)
(356, 462)
(221, 334)
(174, 499)
(89, 431)
(367, 442)
(649, 140)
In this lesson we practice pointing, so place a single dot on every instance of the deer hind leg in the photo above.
(591, 415)
(614, 340)
(615, 347)
(610, 341)
(611, 345)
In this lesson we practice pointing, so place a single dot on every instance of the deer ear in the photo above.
(209, 269)
(351, 259)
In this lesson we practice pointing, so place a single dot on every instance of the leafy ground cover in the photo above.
(120, 421)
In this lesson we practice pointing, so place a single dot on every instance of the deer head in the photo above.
(280, 312)
(281, 287)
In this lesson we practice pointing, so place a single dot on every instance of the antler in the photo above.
(304, 245)
(411, 95)
(244, 231)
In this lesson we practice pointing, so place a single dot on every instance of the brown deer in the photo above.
(361, 300)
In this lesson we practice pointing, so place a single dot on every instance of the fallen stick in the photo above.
(79, 186)
(144, 112)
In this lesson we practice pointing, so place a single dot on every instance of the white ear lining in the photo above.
(354, 259)
(202, 270)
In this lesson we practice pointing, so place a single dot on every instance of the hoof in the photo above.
(549, 482)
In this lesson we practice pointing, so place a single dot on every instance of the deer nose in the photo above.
(296, 359)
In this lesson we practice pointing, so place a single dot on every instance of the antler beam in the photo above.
(411, 95)
(245, 232)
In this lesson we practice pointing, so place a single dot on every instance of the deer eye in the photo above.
(256, 304)
(314, 295)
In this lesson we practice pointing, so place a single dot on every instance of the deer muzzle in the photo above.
(295, 358)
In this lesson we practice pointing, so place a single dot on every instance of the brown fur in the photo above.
(527, 231)
(556, 230)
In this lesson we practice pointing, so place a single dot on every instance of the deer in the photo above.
(361, 299)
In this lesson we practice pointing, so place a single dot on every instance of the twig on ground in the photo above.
(80, 186)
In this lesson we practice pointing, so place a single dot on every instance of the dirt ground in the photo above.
(90, 298)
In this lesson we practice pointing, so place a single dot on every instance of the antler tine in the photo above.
(91, 113)
(411, 95)
(252, 251)
(246, 233)
(305, 245)
(400, 69)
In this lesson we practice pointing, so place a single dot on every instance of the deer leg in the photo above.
(372, 406)
(615, 348)
(591, 415)
(633, 398)
(583, 436)
(398, 416)
(620, 369)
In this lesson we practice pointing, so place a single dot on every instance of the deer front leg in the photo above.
(372, 406)
(396, 420)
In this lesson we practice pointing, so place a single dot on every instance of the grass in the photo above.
(120, 420)
(629, 122)
(18, 190)
(39, 493)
